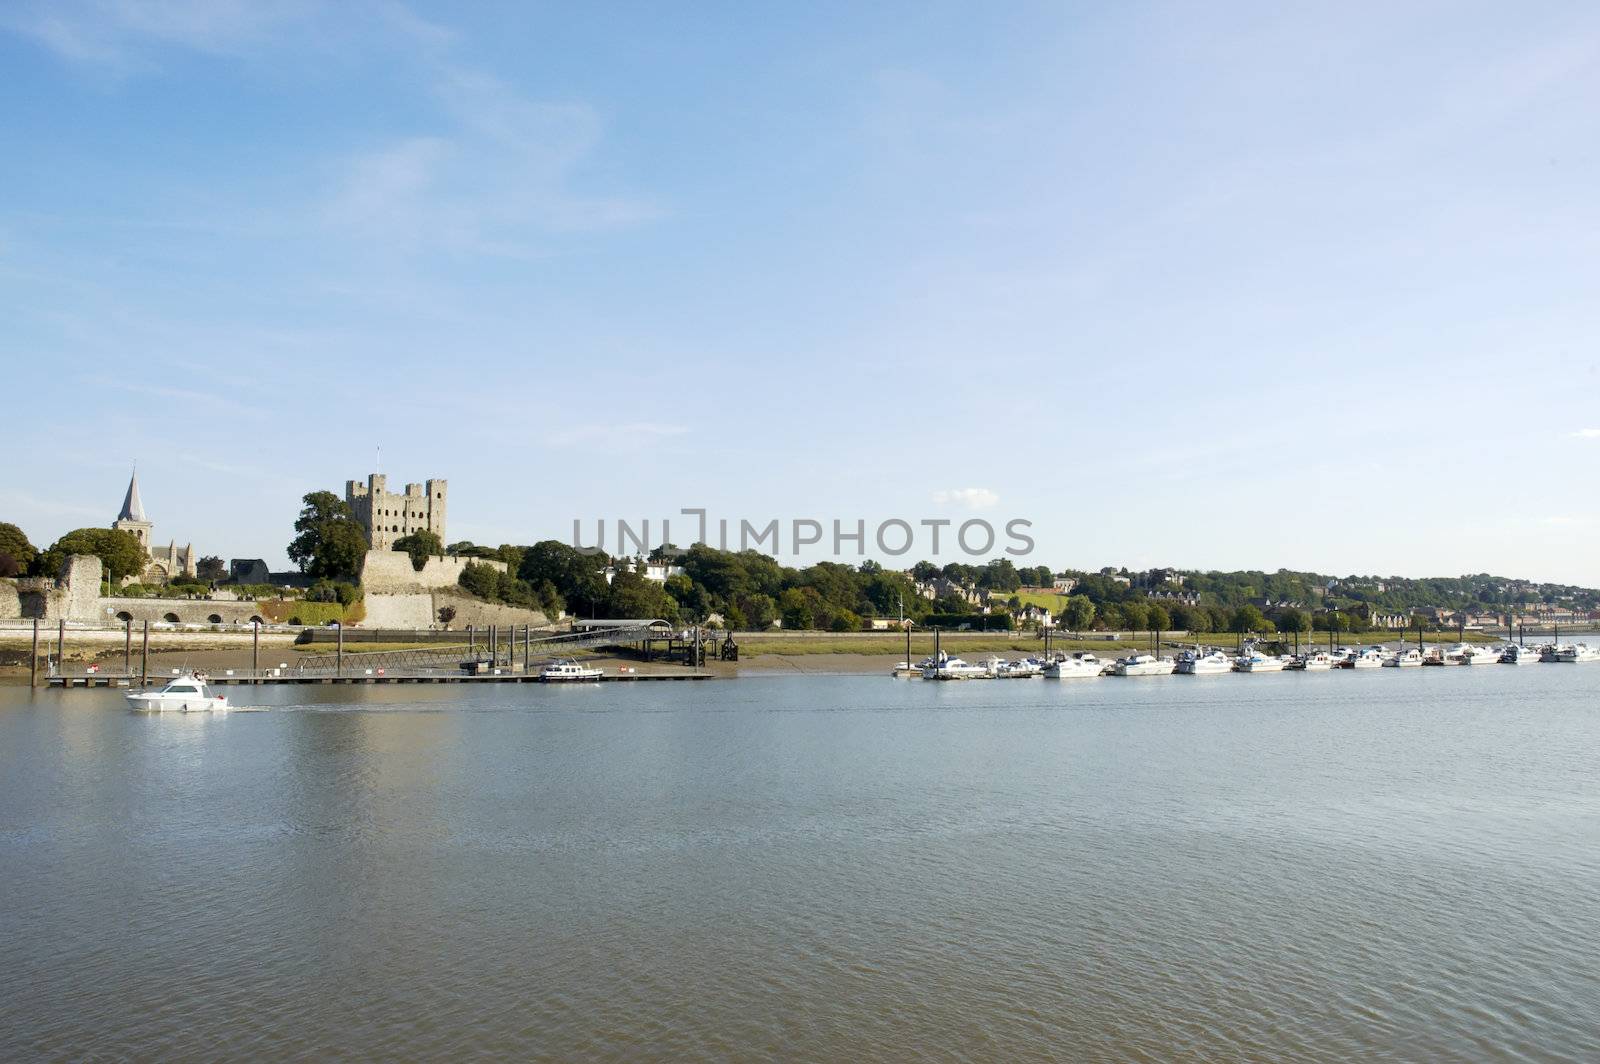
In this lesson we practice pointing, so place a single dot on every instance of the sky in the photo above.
(1216, 286)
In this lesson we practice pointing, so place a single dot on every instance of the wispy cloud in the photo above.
(971, 498)
(120, 35)
(617, 437)
(200, 403)
(1586, 434)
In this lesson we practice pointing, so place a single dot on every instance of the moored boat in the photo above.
(566, 670)
(1317, 661)
(1144, 665)
(1193, 663)
(1080, 666)
(1403, 659)
(1255, 661)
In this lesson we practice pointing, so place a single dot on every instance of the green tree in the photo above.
(575, 575)
(210, 568)
(795, 608)
(119, 551)
(1135, 616)
(446, 615)
(480, 580)
(1247, 619)
(328, 542)
(632, 596)
(1078, 613)
(1158, 620)
(420, 545)
(14, 545)
(1293, 620)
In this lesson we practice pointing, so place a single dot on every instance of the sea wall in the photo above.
(389, 572)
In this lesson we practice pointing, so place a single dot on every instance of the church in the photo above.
(162, 563)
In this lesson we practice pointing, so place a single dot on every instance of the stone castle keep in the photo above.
(386, 517)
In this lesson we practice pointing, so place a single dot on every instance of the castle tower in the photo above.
(386, 517)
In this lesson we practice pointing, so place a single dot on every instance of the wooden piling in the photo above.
(338, 664)
(33, 660)
(255, 646)
(144, 656)
(61, 647)
(127, 648)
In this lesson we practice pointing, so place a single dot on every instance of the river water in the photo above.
(1392, 864)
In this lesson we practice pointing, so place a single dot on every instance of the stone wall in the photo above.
(421, 610)
(10, 601)
(174, 611)
(389, 572)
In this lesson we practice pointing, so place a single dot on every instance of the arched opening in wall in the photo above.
(215, 618)
(170, 618)
(257, 620)
(124, 616)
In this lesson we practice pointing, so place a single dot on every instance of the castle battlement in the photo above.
(386, 516)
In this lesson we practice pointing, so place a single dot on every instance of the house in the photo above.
(883, 624)
(1187, 598)
(1034, 615)
(1064, 584)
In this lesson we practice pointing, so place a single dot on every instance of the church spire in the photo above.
(132, 507)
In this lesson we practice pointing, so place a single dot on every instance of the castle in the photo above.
(164, 563)
(386, 517)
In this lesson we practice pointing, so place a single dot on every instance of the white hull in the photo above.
(1203, 668)
(1367, 663)
(1260, 666)
(1402, 661)
(1073, 670)
(1151, 668)
(155, 703)
(1317, 666)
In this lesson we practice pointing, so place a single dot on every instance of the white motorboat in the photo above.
(1019, 670)
(1474, 655)
(1192, 663)
(1079, 666)
(1403, 659)
(566, 670)
(1575, 653)
(1144, 665)
(1316, 661)
(1255, 661)
(1519, 655)
(1367, 658)
(187, 693)
(948, 668)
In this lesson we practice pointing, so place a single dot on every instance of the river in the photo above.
(1388, 864)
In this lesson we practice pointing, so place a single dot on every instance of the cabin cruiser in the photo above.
(1403, 659)
(1315, 661)
(1001, 669)
(1255, 661)
(948, 668)
(1481, 655)
(1369, 658)
(1574, 653)
(1193, 663)
(186, 693)
(1079, 666)
(567, 670)
(1144, 665)
(1519, 655)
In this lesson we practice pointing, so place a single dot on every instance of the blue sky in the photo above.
(1207, 285)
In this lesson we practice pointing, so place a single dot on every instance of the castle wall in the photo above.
(421, 610)
(387, 516)
(389, 572)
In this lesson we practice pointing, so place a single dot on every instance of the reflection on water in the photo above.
(1328, 866)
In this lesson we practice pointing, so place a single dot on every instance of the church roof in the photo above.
(132, 507)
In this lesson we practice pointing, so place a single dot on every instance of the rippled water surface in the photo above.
(1395, 864)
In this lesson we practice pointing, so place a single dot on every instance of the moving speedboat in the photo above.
(1192, 663)
(566, 670)
(187, 693)
(1082, 665)
(1403, 659)
(1144, 665)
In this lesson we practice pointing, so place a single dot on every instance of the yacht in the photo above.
(1519, 655)
(948, 668)
(1370, 658)
(997, 668)
(1575, 653)
(1193, 663)
(1144, 665)
(1079, 666)
(1316, 661)
(1255, 661)
(1481, 655)
(566, 670)
(1403, 659)
(187, 693)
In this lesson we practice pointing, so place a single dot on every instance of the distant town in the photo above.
(375, 558)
